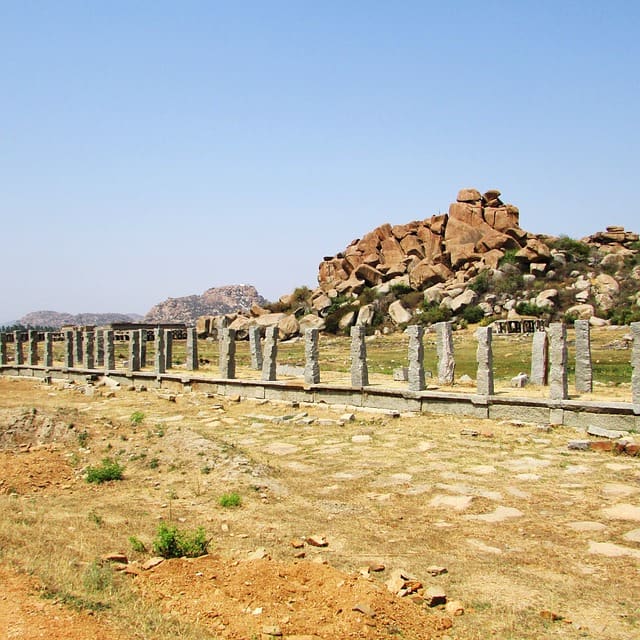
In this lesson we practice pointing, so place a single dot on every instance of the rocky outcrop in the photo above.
(55, 320)
(429, 251)
(213, 302)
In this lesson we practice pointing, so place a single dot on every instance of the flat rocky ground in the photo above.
(528, 538)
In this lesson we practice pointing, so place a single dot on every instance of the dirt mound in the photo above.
(26, 427)
(33, 471)
(244, 599)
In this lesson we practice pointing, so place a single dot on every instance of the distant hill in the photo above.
(214, 301)
(57, 319)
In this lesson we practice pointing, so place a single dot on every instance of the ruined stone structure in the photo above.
(584, 371)
(446, 361)
(312, 365)
(539, 358)
(415, 370)
(558, 356)
(227, 350)
(269, 357)
(484, 376)
(359, 369)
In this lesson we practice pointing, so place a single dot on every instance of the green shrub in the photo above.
(472, 314)
(413, 299)
(83, 438)
(481, 283)
(509, 257)
(529, 309)
(332, 320)
(137, 417)
(432, 313)
(108, 469)
(509, 284)
(230, 500)
(137, 545)
(171, 542)
(400, 289)
(97, 577)
(625, 314)
(580, 251)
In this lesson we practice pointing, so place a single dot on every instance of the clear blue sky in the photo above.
(155, 149)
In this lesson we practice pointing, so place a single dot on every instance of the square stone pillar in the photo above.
(311, 361)
(416, 357)
(255, 347)
(227, 352)
(444, 346)
(159, 359)
(68, 349)
(359, 369)
(539, 358)
(3, 349)
(77, 347)
(635, 363)
(584, 369)
(48, 349)
(32, 354)
(109, 351)
(18, 352)
(134, 350)
(484, 355)
(558, 389)
(192, 349)
(99, 349)
(168, 349)
(88, 357)
(270, 354)
(142, 341)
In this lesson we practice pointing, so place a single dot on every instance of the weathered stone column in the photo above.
(558, 389)
(255, 347)
(159, 358)
(77, 346)
(142, 340)
(192, 349)
(444, 345)
(539, 358)
(227, 351)
(168, 348)
(270, 356)
(32, 354)
(18, 353)
(311, 361)
(48, 349)
(99, 338)
(359, 369)
(68, 349)
(134, 350)
(635, 363)
(416, 357)
(484, 354)
(89, 361)
(3, 349)
(584, 370)
(109, 351)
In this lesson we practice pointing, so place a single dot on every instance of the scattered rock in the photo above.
(317, 541)
(365, 609)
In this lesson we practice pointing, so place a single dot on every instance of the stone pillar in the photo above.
(311, 363)
(99, 350)
(159, 360)
(635, 363)
(270, 356)
(416, 357)
(539, 358)
(48, 349)
(446, 361)
(255, 347)
(558, 351)
(484, 355)
(134, 350)
(3, 349)
(142, 341)
(109, 351)
(88, 357)
(192, 349)
(68, 349)
(18, 357)
(168, 348)
(359, 370)
(77, 347)
(32, 354)
(227, 351)
(584, 370)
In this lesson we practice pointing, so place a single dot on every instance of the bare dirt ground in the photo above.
(537, 541)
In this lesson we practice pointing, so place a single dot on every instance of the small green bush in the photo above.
(432, 313)
(509, 257)
(472, 314)
(579, 251)
(108, 469)
(510, 284)
(481, 283)
(137, 417)
(529, 309)
(137, 545)
(171, 542)
(400, 289)
(97, 577)
(83, 438)
(232, 499)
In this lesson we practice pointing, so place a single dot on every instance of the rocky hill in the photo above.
(472, 264)
(57, 319)
(215, 301)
